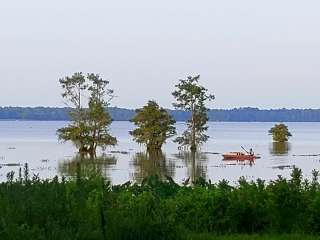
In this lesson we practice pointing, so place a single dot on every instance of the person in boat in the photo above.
(251, 152)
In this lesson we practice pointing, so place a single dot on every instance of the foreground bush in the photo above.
(90, 208)
(252, 237)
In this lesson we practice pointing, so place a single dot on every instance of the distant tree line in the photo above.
(55, 113)
(257, 115)
(122, 114)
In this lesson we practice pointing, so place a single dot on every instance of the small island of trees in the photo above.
(280, 133)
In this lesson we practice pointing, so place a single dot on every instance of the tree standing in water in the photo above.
(89, 125)
(191, 96)
(280, 133)
(154, 126)
(73, 90)
(99, 117)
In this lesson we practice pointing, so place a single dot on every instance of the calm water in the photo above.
(36, 143)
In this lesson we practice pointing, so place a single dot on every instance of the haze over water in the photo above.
(36, 143)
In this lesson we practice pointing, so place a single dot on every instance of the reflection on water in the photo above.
(143, 164)
(195, 162)
(152, 163)
(280, 148)
(86, 166)
(239, 162)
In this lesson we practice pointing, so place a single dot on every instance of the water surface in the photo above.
(36, 143)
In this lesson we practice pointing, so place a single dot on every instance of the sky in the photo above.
(262, 54)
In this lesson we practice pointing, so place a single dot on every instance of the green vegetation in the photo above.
(280, 133)
(89, 127)
(191, 97)
(253, 237)
(88, 207)
(155, 126)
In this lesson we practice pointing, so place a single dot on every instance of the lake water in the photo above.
(36, 143)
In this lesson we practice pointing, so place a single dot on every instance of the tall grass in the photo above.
(88, 207)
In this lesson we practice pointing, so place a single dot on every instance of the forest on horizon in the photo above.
(246, 114)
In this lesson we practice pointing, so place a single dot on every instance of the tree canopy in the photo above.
(280, 133)
(191, 97)
(89, 117)
(154, 126)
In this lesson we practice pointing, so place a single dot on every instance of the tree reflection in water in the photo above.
(195, 162)
(280, 148)
(250, 163)
(86, 166)
(152, 163)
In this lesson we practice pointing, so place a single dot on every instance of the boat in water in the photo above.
(239, 156)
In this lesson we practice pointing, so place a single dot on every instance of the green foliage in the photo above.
(280, 133)
(89, 127)
(154, 126)
(206, 236)
(191, 97)
(88, 207)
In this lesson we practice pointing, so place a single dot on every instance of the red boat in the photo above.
(239, 156)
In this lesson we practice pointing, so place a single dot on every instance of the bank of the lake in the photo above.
(88, 207)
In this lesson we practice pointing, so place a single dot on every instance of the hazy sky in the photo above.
(248, 52)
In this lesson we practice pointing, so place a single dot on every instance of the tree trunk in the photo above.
(193, 167)
(193, 146)
(92, 151)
